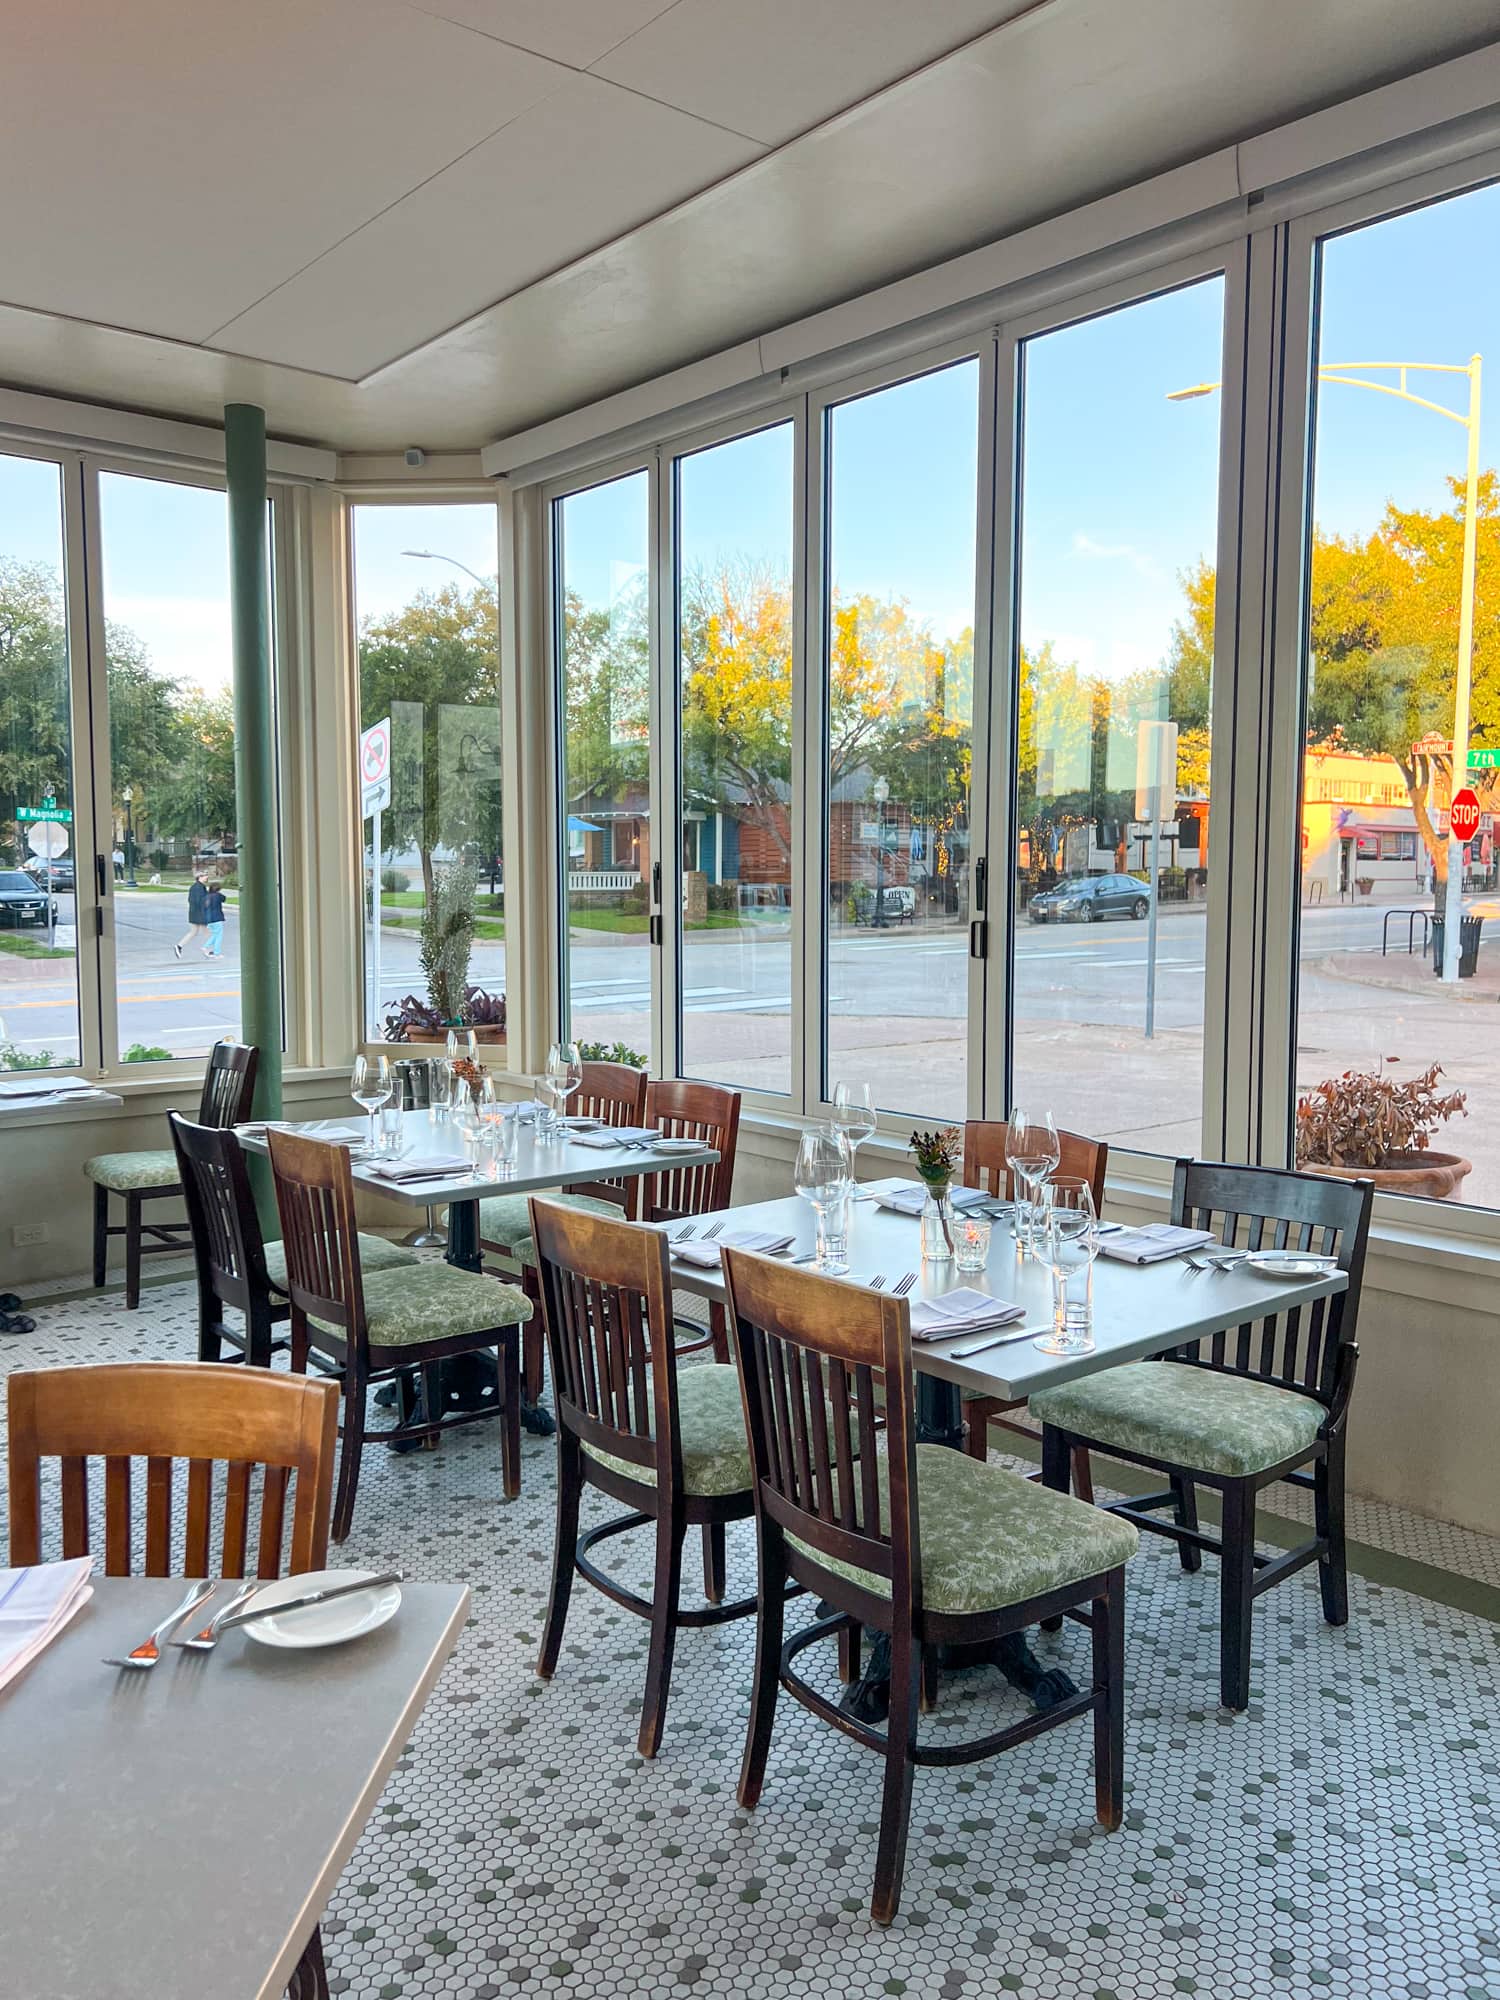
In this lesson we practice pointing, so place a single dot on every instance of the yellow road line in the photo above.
(125, 999)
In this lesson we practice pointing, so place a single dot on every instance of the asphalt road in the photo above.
(1073, 973)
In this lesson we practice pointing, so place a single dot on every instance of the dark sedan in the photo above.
(21, 901)
(1087, 899)
(62, 874)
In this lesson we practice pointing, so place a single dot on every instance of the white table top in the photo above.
(538, 1165)
(45, 1107)
(179, 1832)
(1138, 1309)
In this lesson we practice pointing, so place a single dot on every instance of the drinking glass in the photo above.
(564, 1073)
(546, 1124)
(1031, 1153)
(971, 1242)
(370, 1085)
(854, 1115)
(1071, 1236)
(491, 1104)
(822, 1177)
(466, 1122)
(439, 1091)
(391, 1129)
(505, 1139)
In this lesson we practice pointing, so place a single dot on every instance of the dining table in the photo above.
(178, 1831)
(1138, 1310)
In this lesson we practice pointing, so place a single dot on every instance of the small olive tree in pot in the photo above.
(1365, 1126)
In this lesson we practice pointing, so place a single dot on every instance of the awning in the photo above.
(576, 825)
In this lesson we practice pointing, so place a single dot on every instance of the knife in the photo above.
(325, 1596)
(999, 1340)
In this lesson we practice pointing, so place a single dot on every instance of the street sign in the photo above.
(1463, 815)
(1155, 769)
(1484, 760)
(375, 766)
(47, 840)
(49, 809)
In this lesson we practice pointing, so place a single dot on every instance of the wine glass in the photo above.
(1071, 1235)
(371, 1085)
(490, 1107)
(854, 1115)
(564, 1074)
(1032, 1153)
(822, 1176)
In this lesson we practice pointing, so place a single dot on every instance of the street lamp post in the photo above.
(880, 791)
(1354, 375)
(128, 798)
(436, 555)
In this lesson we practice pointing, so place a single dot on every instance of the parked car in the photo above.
(62, 874)
(1086, 899)
(21, 901)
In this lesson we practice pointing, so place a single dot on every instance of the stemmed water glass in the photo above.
(564, 1074)
(1032, 1153)
(854, 1116)
(823, 1177)
(1071, 1239)
(371, 1085)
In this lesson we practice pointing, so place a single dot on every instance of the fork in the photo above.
(682, 1235)
(712, 1231)
(148, 1652)
(212, 1632)
(903, 1285)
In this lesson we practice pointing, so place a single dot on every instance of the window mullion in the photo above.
(665, 775)
(93, 782)
(995, 667)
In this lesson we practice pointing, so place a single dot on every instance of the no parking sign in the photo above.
(375, 766)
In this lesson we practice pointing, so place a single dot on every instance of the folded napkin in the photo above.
(35, 1605)
(909, 1197)
(1151, 1244)
(964, 1310)
(613, 1137)
(434, 1167)
(706, 1255)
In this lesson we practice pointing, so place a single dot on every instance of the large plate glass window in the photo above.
(38, 825)
(602, 616)
(1402, 709)
(427, 617)
(734, 628)
(1113, 870)
(899, 691)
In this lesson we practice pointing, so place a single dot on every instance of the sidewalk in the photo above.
(1400, 972)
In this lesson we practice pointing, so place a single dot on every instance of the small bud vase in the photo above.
(936, 1223)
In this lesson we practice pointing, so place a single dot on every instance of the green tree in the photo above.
(199, 799)
(33, 692)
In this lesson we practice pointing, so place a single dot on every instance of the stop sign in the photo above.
(1463, 815)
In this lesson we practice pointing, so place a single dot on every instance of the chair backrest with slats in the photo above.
(616, 1093)
(604, 1286)
(228, 1084)
(985, 1167)
(819, 1361)
(705, 1111)
(227, 1243)
(315, 1199)
(215, 1417)
(1266, 1208)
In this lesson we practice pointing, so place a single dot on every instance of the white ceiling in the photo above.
(439, 221)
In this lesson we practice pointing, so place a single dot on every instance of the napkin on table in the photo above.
(1153, 1243)
(434, 1167)
(909, 1197)
(613, 1137)
(963, 1310)
(35, 1605)
(706, 1254)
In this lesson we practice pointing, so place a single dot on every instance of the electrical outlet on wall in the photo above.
(28, 1232)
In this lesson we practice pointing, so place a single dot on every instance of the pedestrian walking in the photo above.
(119, 859)
(215, 914)
(197, 928)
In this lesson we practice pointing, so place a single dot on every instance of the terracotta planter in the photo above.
(1439, 1176)
(485, 1037)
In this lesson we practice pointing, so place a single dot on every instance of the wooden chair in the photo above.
(237, 1268)
(918, 1541)
(709, 1112)
(380, 1327)
(671, 1447)
(615, 1092)
(1238, 1411)
(228, 1092)
(985, 1167)
(162, 1412)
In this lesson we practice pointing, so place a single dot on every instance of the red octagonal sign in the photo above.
(1463, 815)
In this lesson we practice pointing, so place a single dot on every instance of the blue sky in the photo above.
(1119, 490)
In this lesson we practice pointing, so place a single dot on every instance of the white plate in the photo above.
(677, 1146)
(323, 1624)
(1291, 1264)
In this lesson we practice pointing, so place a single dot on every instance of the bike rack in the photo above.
(1411, 925)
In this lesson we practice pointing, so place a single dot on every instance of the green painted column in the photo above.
(255, 766)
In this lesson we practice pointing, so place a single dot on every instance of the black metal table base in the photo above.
(940, 1420)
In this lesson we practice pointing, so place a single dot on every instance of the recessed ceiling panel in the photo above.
(579, 169)
(775, 68)
(168, 162)
(570, 31)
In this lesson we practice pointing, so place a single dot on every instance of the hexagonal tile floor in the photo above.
(1338, 1840)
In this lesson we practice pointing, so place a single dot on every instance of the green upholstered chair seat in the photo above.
(715, 1450)
(1207, 1420)
(990, 1538)
(128, 1173)
(376, 1253)
(416, 1303)
(505, 1220)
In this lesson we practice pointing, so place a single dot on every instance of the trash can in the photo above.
(1468, 946)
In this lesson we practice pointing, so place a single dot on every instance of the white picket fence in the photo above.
(582, 880)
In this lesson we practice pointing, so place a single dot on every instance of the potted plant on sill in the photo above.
(1365, 1126)
(447, 942)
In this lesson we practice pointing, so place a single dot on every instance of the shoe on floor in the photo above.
(177, 951)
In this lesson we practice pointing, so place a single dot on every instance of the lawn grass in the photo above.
(25, 947)
(487, 930)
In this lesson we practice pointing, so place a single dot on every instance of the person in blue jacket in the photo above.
(214, 910)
